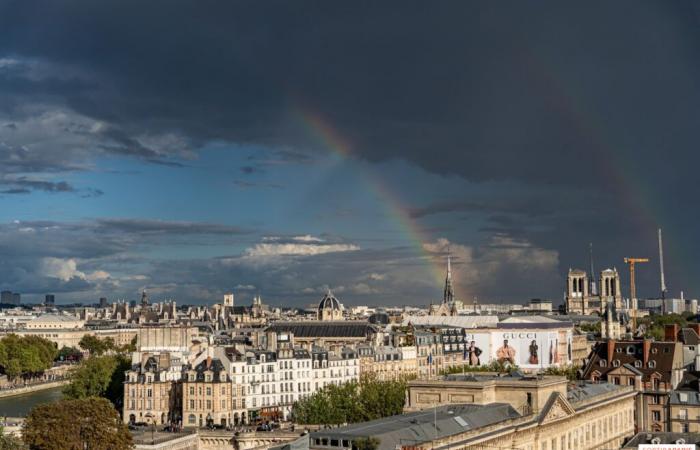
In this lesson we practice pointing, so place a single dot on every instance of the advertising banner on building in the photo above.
(477, 349)
(527, 349)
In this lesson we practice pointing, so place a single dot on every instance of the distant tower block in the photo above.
(228, 300)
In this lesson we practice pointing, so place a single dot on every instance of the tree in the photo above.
(352, 402)
(90, 423)
(571, 371)
(367, 443)
(95, 345)
(494, 366)
(28, 355)
(100, 376)
(69, 354)
(9, 442)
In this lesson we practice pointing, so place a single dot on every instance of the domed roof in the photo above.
(329, 302)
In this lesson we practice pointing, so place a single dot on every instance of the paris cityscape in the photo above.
(269, 225)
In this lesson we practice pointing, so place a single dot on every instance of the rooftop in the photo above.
(423, 426)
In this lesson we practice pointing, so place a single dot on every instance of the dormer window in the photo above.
(616, 363)
(652, 364)
(630, 350)
(638, 364)
(603, 363)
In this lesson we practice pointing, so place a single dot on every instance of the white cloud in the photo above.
(63, 269)
(300, 238)
(376, 276)
(290, 249)
(67, 269)
(483, 268)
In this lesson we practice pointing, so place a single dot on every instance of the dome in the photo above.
(329, 302)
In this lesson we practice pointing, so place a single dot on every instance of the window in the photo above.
(683, 414)
(191, 390)
(616, 363)
(191, 404)
(638, 364)
(685, 428)
(652, 364)
(656, 416)
(630, 381)
(603, 363)
(191, 418)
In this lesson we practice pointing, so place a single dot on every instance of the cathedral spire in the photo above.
(593, 288)
(448, 294)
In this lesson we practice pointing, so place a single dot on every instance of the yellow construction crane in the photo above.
(633, 289)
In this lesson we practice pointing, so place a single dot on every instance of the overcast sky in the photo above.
(282, 148)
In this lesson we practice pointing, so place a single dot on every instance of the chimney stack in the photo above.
(646, 347)
(208, 362)
(671, 332)
(611, 350)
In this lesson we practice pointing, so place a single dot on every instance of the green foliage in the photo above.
(590, 327)
(8, 442)
(27, 355)
(100, 376)
(90, 423)
(569, 371)
(69, 353)
(368, 443)
(656, 324)
(95, 345)
(352, 402)
(494, 366)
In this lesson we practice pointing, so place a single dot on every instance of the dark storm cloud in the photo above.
(595, 103)
(483, 91)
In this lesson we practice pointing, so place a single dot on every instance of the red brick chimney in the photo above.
(208, 362)
(646, 347)
(611, 350)
(671, 332)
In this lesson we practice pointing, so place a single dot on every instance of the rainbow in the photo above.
(323, 131)
(638, 198)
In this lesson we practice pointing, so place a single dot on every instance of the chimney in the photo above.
(611, 350)
(671, 332)
(208, 362)
(646, 347)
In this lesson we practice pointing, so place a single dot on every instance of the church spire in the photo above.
(593, 288)
(448, 294)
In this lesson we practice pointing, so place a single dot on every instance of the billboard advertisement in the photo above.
(477, 348)
(527, 349)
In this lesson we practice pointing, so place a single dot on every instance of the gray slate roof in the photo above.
(323, 329)
(417, 427)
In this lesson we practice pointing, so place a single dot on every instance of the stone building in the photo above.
(329, 308)
(151, 395)
(581, 298)
(587, 416)
(652, 368)
(206, 394)
(388, 363)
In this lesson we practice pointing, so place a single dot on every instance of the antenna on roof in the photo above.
(661, 269)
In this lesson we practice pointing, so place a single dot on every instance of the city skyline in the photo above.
(281, 150)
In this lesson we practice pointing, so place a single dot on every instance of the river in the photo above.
(19, 405)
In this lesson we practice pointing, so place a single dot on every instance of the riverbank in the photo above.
(33, 388)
